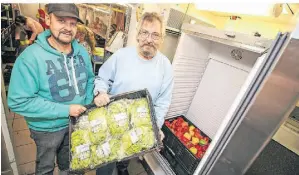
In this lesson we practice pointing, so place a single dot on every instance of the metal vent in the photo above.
(175, 19)
(173, 32)
(236, 54)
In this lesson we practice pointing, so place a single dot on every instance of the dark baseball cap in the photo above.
(64, 10)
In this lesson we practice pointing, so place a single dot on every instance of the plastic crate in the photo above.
(170, 157)
(182, 154)
(130, 95)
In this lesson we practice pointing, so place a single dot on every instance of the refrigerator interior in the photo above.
(208, 76)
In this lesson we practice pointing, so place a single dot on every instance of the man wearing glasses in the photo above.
(135, 68)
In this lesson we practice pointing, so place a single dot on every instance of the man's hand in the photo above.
(101, 99)
(30, 42)
(76, 110)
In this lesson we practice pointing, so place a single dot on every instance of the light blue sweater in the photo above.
(129, 72)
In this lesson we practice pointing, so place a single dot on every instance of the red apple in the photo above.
(198, 147)
(199, 154)
(204, 148)
(185, 124)
(184, 139)
(196, 134)
(196, 130)
(167, 123)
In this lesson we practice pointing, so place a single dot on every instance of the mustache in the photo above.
(66, 32)
(149, 44)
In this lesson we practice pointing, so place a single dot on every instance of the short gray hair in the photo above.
(151, 16)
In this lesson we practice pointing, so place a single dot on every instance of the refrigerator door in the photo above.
(265, 101)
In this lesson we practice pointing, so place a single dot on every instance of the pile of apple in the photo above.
(189, 135)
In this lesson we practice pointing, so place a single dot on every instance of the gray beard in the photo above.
(146, 53)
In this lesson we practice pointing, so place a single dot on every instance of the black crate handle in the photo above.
(170, 150)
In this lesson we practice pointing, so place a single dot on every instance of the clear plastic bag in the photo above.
(137, 140)
(118, 117)
(80, 149)
(106, 152)
(98, 125)
(140, 113)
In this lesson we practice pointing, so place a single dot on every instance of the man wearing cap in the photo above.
(51, 80)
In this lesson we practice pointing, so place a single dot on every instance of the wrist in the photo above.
(101, 92)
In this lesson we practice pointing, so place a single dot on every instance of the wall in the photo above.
(30, 9)
(201, 15)
(132, 29)
(146, 8)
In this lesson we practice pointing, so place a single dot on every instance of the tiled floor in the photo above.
(25, 149)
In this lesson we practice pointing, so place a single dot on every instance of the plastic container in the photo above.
(174, 164)
(130, 95)
(181, 153)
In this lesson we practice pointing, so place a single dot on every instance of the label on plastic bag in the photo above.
(138, 132)
(84, 118)
(83, 121)
(99, 152)
(106, 149)
(120, 116)
(122, 123)
(83, 151)
(97, 124)
(141, 111)
(134, 136)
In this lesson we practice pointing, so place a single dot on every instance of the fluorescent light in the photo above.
(101, 10)
(259, 9)
(123, 4)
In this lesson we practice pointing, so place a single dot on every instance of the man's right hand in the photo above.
(76, 110)
(101, 99)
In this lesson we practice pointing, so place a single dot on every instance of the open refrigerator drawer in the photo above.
(184, 144)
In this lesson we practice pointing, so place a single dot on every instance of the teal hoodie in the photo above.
(44, 82)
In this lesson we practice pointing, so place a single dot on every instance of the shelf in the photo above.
(5, 18)
(7, 7)
(243, 41)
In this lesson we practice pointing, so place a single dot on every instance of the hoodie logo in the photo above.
(61, 90)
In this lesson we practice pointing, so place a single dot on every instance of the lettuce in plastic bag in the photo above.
(80, 149)
(115, 151)
(97, 155)
(79, 137)
(137, 139)
(81, 157)
(106, 152)
(82, 123)
(140, 113)
(118, 119)
(98, 125)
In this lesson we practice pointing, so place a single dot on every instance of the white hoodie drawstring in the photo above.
(74, 76)
(67, 70)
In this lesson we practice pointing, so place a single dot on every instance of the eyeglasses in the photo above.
(144, 34)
